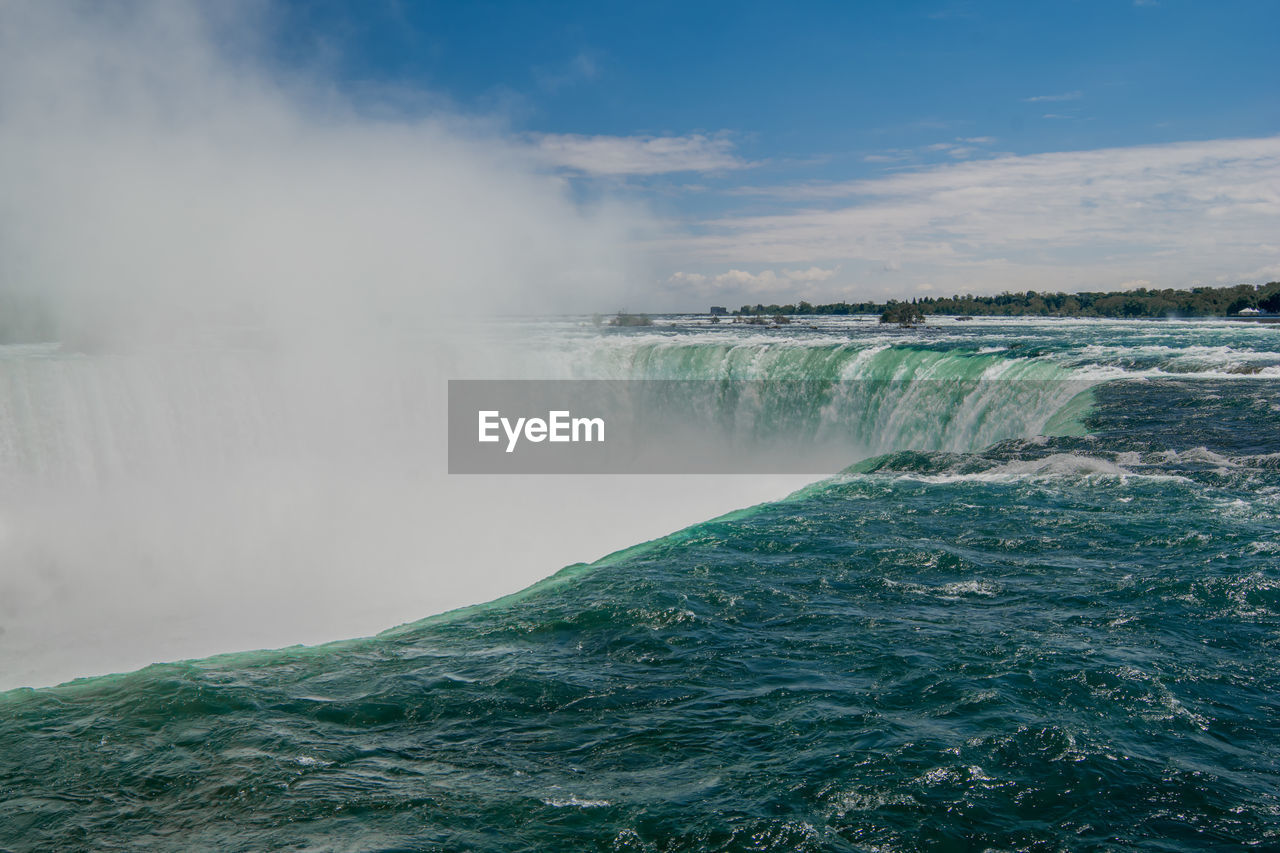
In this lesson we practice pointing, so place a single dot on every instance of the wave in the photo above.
(965, 468)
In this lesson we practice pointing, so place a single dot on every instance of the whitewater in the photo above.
(1035, 606)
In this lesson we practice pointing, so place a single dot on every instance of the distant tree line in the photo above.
(1143, 302)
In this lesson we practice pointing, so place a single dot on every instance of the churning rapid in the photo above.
(1038, 610)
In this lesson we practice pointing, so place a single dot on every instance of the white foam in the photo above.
(1058, 466)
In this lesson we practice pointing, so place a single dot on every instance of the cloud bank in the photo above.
(1170, 214)
(746, 284)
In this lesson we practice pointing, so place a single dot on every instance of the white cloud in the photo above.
(959, 149)
(1266, 272)
(1062, 96)
(637, 155)
(810, 274)
(1161, 213)
(741, 282)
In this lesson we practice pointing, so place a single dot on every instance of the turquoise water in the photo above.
(1025, 642)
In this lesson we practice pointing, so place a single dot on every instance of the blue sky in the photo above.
(744, 152)
(824, 80)
(736, 118)
(728, 118)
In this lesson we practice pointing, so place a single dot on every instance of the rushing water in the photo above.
(1048, 624)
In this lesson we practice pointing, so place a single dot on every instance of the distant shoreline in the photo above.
(1142, 303)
